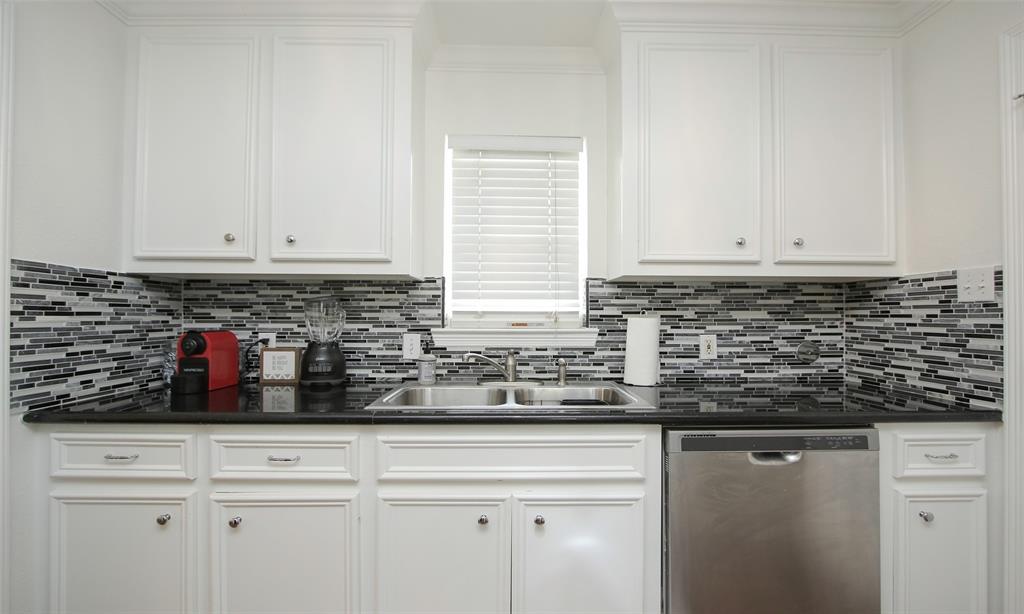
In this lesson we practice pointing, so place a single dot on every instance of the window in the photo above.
(514, 241)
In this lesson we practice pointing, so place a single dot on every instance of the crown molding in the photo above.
(877, 18)
(524, 60)
(369, 13)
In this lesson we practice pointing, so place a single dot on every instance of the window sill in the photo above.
(478, 338)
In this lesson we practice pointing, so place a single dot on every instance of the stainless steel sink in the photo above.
(575, 397)
(595, 395)
(443, 396)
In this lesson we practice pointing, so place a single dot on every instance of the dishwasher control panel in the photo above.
(769, 441)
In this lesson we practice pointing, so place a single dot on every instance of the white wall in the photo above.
(525, 92)
(953, 136)
(67, 137)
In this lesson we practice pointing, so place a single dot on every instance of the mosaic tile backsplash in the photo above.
(87, 334)
(913, 333)
(83, 334)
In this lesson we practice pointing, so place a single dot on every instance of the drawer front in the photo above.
(122, 455)
(240, 457)
(528, 457)
(940, 455)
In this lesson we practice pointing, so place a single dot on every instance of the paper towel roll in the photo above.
(642, 361)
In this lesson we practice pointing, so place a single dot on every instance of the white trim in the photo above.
(493, 59)
(6, 103)
(811, 18)
(477, 338)
(367, 13)
(1012, 65)
(567, 144)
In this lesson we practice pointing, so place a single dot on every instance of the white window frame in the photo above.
(532, 329)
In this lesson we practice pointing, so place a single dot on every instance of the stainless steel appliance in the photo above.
(765, 521)
(323, 362)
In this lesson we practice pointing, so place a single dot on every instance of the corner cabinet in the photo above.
(754, 155)
(941, 533)
(271, 150)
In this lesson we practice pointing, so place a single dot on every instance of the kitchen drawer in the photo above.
(940, 455)
(512, 457)
(242, 457)
(122, 455)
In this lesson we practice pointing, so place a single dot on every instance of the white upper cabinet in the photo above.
(835, 181)
(194, 192)
(271, 150)
(752, 155)
(698, 190)
(332, 173)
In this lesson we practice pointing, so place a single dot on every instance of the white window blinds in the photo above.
(514, 240)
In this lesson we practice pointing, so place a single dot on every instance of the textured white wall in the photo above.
(466, 102)
(67, 136)
(953, 136)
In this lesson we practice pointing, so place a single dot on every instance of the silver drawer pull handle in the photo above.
(234, 522)
(162, 519)
(483, 519)
(284, 459)
(952, 456)
(130, 458)
(539, 520)
(926, 516)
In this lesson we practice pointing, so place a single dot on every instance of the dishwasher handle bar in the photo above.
(775, 458)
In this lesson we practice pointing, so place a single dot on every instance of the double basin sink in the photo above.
(481, 398)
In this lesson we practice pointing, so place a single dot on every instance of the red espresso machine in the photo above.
(207, 360)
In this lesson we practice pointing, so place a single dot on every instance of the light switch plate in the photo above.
(708, 347)
(976, 285)
(411, 348)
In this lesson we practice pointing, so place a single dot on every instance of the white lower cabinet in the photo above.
(940, 535)
(129, 553)
(941, 551)
(578, 554)
(444, 554)
(284, 553)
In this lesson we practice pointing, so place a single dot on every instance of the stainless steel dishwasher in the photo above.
(765, 521)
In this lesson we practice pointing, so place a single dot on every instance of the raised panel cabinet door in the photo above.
(941, 552)
(195, 159)
(333, 115)
(122, 555)
(284, 553)
(835, 166)
(443, 554)
(700, 183)
(579, 555)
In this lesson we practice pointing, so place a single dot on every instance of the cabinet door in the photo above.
(194, 176)
(333, 110)
(284, 553)
(579, 555)
(941, 552)
(835, 167)
(443, 555)
(700, 184)
(127, 555)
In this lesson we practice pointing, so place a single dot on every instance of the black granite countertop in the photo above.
(764, 402)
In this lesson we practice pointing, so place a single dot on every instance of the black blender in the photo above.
(323, 363)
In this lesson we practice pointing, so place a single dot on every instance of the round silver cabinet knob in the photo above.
(539, 520)
(483, 519)
(799, 242)
(162, 519)
(926, 516)
(230, 238)
(741, 241)
(234, 522)
(290, 239)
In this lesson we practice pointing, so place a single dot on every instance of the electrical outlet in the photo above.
(708, 407)
(270, 337)
(976, 284)
(708, 347)
(411, 348)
